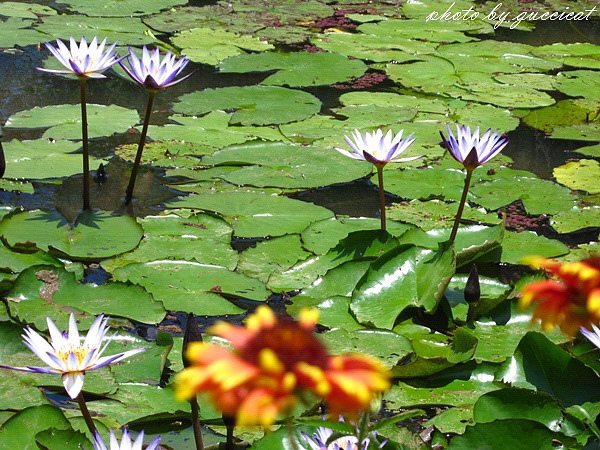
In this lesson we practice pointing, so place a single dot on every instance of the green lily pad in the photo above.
(255, 214)
(581, 175)
(516, 246)
(377, 48)
(579, 83)
(64, 121)
(589, 150)
(437, 214)
(212, 131)
(272, 256)
(358, 245)
(171, 154)
(46, 291)
(425, 183)
(16, 262)
(14, 31)
(516, 433)
(576, 54)
(549, 374)
(371, 342)
(126, 30)
(253, 105)
(297, 69)
(538, 196)
(576, 219)
(563, 113)
(539, 81)
(322, 236)
(407, 276)
(193, 287)
(120, 8)
(433, 352)
(42, 158)
(96, 234)
(63, 439)
(184, 236)
(20, 430)
(209, 46)
(286, 166)
(25, 10)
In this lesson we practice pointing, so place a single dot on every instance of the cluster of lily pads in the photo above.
(235, 232)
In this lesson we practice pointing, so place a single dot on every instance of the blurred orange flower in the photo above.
(274, 360)
(570, 300)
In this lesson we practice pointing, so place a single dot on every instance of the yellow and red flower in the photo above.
(570, 300)
(273, 361)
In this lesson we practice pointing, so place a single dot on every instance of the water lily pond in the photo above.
(241, 200)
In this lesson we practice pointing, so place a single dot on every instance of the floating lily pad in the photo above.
(209, 46)
(16, 31)
(563, 113)
(589, 150)
(538, 196)
(125, 30)
(297, 69)
(120, 8)
(576, 219)
(434, 214)
(370, 342)
(253, 105)
(425, 183)
(184, 236)
(577, 54)
(357, 246)
(42, 158)
(64, 121)
(95, 235)
(258, 215)
(171, 154)
(539, 81)
(579, 83)
(25, 10)
(434, 352)
(286, 166)
(582, 175)
(378, 48)
(516, 246)
(212, 131)
(193, 287)
(46, 291)
(322, 236)
(407, 276)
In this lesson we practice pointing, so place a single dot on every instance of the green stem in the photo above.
(86, 414)
(138, 156)
(381, 197)
(196, 424)
(461, 205)
(84, 139)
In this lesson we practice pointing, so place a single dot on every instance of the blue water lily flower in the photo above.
(126, 443)
(152, 72)
(377, 148)
(471, 150)
(83, 60)
(68, 356)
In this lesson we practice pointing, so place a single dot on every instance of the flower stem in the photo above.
(84, 143)
(86, 414)
(229, 425)
(196, 424)
(381, 197)
(140, 150)
(461, 205)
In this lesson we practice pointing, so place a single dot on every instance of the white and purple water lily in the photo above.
(378, 149)
(126, 443)
(592, 336)
(152, 72)
(68, 356)
(322, 435)
(471, 150)
(83, 60)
